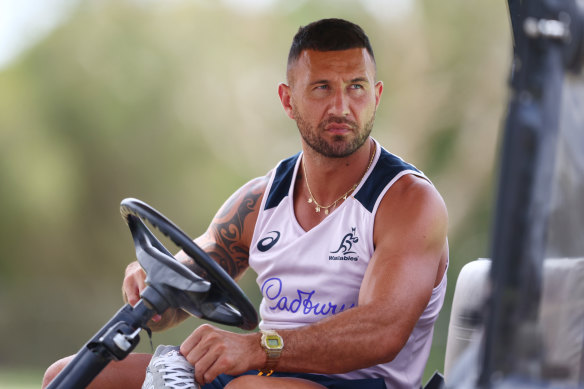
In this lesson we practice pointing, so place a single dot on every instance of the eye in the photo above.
(356, 86)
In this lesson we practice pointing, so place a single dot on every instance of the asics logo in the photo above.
(269, 241)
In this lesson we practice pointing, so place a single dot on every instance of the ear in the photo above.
(378, 91)
(284, 92)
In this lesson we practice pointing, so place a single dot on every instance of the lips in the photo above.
(338, 130)
(339, 126)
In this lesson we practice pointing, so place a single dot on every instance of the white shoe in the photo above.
(169, 369)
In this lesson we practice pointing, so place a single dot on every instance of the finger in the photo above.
(212, 371)
(214, 363)
(133, 283)
(194, 338)
(196, 349)
(219, 360)
(131, 292)
(203, 367)
(127, 291)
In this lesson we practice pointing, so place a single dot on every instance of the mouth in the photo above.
(339, 127)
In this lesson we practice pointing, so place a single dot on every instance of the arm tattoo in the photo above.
(226, 231)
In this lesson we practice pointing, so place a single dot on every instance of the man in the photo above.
(348, 241)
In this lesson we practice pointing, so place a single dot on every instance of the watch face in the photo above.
(273, 342)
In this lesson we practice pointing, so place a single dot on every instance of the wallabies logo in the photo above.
(347, 243)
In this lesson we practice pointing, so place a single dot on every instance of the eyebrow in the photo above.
(354, 80)
(319, 82)
(360, 79)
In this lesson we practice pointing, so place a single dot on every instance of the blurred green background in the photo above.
(175, 103)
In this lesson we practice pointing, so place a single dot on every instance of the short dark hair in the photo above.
(329, 35)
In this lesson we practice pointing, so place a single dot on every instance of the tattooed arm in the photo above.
(228, 237)
(227, 241)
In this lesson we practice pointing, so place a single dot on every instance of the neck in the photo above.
(330, 178)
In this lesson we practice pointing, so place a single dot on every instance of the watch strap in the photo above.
(272, 353)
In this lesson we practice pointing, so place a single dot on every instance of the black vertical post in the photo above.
(524, 191)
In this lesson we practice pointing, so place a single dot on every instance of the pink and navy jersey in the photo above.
(305, 276)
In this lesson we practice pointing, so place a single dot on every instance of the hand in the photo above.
(213, 351)
(134, 283)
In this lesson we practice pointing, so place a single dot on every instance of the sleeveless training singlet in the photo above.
(305, 276)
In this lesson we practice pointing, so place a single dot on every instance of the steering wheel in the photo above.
(212, 294)
(209, 294)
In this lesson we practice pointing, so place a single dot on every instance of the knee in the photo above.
(243, 382)
(54, 370)
(262, 382)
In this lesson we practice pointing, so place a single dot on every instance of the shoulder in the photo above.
(412, 188)
(413, 206)
(229, 235)
(388, 169)
(257, 185)
(247, 198)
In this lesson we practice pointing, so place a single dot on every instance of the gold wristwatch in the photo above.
(273, 344)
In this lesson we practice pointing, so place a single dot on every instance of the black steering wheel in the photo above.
(211, 294)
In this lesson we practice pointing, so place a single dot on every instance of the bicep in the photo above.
(410, 237)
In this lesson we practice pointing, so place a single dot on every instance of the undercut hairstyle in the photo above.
(329, 35)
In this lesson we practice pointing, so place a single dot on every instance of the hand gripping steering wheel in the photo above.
(212, 295)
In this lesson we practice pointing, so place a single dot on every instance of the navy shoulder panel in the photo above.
(282, 181)
(388, 166)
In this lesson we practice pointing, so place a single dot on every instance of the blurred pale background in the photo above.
(175, 103)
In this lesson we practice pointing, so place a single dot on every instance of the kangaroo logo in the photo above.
(347, 243)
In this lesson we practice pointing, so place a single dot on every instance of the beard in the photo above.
(341, 145)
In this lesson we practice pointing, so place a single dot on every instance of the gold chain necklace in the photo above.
(318, 207)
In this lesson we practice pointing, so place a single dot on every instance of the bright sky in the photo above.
(23, 23)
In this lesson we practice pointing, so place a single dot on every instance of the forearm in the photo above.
(354, 339)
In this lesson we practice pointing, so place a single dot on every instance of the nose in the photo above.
(340, 104)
